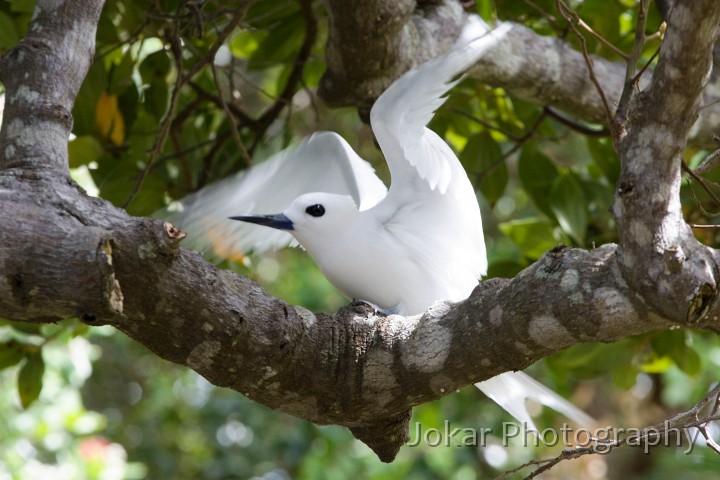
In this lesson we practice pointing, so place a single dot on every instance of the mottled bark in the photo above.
(372, 43)
(660, 258)
(63, 254)
(540, 69)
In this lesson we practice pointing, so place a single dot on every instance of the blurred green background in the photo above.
(81, 403)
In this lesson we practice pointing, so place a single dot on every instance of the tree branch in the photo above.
(540, 69)
(645, 437)
(656, 240)
(353, 368)
(39, 100)
(371, 43)
(63, 254)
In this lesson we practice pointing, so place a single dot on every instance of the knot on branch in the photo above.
(385, 437)
(625, 188)
(674, 258)
(111, 286)
(700, 304)
(174, 234)
(165, 239)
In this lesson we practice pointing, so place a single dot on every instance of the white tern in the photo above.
(399, 250)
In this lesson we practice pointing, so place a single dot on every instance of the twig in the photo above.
(485, 123)
(311, 30)
(572, 18)
(709, 162)
(697, 201)
(709, 104)
(519, 142)
(183, 152)
(244, 117)
(209, 159)
(646, 66)
(585, 130)
(689, 419)
(631, 64)
(238, 15)
(550, 18)
(700, 180)
(601, 39)
(130, 39)
(696, 225)
(714, 411)
(230, 118)
(164, 130)
(180, 80)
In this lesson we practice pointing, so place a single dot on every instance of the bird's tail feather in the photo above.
(510, 390)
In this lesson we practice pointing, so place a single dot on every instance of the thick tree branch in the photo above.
(39, 99)
(536, 68)
(373, 42)
(659, 252)
(354, 368)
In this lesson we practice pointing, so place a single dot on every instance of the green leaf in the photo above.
(30, 378)
(22, 6)
(625, 376)
(689, 362)
(8, 32)
(483, 155)
(281, 44)
(667, 341)
(156, 98)
(672, 345)
(604, 18)
(568, 203)
(120, 74)
(487, 10)
(10, 354)
(532, 235)
(603, 152)
(24, 327)
(155, 66)
(267, 14)
(87, 99)
(537, 174)
(244, 44)
(593, 359)
(84, 150)
(116, 177)
(127, 103)
(106, 31)
(504, 269)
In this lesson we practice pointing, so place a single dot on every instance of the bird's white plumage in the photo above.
(511, 389)
(401, 113)
(322, 162)
(401, 251)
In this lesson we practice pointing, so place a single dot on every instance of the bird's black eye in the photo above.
(316, 210)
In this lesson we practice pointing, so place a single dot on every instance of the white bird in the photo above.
(399, 250)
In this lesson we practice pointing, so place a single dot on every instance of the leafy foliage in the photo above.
(184, 93)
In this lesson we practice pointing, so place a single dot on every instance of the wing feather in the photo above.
(324, 162)
(400, 115)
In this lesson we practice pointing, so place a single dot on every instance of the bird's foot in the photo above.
(364, 307)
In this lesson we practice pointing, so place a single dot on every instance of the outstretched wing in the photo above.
(429, 185)
(324, 162)
(400, 115)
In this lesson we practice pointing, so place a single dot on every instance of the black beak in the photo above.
(279, 221)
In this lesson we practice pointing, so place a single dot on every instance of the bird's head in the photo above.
(314, 219)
